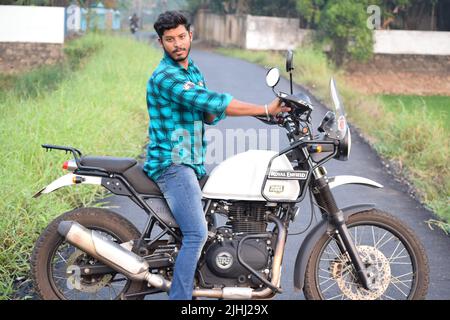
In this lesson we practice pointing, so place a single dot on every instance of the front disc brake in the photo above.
(378, 270)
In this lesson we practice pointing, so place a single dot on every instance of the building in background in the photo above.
(30, 36)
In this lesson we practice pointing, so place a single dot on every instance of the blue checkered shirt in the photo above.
(177, 100)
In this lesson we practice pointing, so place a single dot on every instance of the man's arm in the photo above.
(239, 108)
(176, 88)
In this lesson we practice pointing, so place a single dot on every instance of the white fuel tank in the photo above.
(241, 177)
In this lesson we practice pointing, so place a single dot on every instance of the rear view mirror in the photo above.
(273, 77)
(289, 61)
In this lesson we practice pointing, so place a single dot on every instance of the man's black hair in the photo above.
(170, 20)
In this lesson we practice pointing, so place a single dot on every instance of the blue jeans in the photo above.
(181, 189)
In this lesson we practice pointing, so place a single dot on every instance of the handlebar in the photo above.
(272, 120)
(297, 103)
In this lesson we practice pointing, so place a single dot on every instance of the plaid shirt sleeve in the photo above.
(217, 119)
(177, 88)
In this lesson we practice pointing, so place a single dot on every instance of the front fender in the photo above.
(313, 237)
(334, 182)
(68, 180)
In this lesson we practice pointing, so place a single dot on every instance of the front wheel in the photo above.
(395, 259)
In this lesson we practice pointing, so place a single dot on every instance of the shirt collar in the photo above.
(168, 59)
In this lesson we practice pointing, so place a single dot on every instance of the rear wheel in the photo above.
(55, 263)
(395, 259)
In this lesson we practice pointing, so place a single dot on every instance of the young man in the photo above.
(179, 104)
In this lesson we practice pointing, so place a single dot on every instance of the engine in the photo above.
(247, 218)
(221, 266)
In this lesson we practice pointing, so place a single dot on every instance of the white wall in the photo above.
(272, 33)
(31, 24)
(222, 29)
(412, 42)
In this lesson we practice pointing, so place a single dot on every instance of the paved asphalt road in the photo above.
(246, 81)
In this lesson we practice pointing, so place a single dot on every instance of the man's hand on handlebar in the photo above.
(276, 107)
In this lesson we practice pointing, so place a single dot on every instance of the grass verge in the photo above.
(438, 107)
(412, 138)
(95, 104)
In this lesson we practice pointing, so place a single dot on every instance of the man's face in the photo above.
(177, 42)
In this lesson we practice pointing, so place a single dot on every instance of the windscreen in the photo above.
(340, 125)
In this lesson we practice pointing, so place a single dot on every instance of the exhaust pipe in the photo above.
(136, 267)
(110, 253)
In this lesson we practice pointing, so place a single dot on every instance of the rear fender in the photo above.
(68, 180)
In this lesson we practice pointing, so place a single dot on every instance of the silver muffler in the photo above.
(137, 268)
(110, 253)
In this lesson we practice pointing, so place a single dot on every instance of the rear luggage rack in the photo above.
(76, 154)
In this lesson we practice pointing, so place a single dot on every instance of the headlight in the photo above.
(345, 145)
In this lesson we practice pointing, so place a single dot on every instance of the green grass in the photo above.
(46, 78)
(413, 133)
(416, 137)
(29, 85)
(96, 104)
(438, 107)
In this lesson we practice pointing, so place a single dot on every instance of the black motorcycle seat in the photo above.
(110, 164)
(131, 170)
(144, 185)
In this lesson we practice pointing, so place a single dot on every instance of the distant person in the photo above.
(134, 20)
(178, 100)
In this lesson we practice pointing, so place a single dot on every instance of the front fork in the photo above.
(325, 200)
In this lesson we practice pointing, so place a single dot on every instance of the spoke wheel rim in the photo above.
(74, 282)
(402, 264)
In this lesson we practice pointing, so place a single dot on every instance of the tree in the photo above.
(243, 6)
(310, 11)
(343, 24)
(409, 14)
(284, 8)
(391, 10)
(59, 3)
(114, 4)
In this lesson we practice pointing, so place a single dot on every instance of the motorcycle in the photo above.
(356, 252)
(133, 28)
(133, 20)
